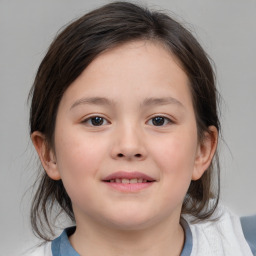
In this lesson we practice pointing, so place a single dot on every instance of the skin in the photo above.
(109, 221)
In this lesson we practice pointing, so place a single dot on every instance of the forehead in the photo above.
(156, 53)
(141, 67)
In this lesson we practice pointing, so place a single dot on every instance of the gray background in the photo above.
(225, 28)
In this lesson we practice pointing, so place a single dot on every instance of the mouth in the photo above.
(128, 177)
(129, 181)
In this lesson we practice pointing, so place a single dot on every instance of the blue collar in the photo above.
(62, 247)
(188, 243)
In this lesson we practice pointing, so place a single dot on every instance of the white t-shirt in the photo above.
(222, 237)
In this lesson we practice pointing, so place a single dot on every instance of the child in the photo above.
(124, 120)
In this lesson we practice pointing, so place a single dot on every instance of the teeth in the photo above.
(127, 181)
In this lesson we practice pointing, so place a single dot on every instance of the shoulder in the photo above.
(249, 228)
(43, 250)
(222, 222)
(221, 234)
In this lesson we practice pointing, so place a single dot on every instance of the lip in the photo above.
(128, 175)
(128, 187)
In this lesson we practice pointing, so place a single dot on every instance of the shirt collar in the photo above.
(62, 247)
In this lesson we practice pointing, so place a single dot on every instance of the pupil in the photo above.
(97, 121)
(158, 121)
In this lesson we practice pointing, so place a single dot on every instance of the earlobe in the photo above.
(205, 152)
(46, 155)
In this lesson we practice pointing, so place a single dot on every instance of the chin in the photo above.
(130, 220)
(130, 225)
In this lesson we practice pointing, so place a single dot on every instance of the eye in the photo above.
(159, 121)
(95, 121)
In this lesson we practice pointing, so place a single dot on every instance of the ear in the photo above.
(205, 152)
(46, 155)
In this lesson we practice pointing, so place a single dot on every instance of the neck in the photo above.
(162, 239)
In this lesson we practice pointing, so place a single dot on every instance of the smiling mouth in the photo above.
(128, 181)
(128, 177)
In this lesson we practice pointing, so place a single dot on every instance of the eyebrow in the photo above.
(93, 101)
(106, 102)
(161, 101)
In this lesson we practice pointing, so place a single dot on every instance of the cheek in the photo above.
(175, 156)
(78, 156)
(79, 159)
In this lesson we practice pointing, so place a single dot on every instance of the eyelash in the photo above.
(103, 121)
(166, 120)
(90, 119)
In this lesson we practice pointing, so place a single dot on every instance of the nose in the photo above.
(128, 144)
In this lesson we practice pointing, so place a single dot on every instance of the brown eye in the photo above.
(95, 121)
(159, 121)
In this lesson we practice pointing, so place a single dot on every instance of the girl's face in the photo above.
(126, 145)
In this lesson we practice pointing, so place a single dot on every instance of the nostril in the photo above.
(136, 155)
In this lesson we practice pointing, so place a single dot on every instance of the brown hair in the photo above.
(75, 48)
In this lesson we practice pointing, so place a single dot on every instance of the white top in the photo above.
(223, 237)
